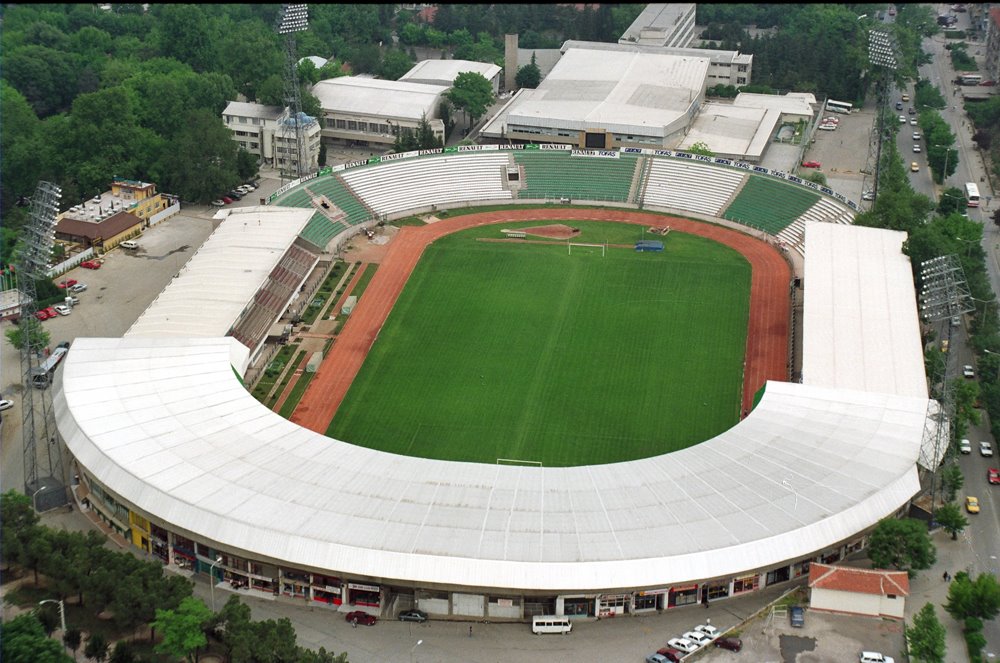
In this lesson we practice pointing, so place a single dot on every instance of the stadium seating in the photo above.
(690, 186)
(398, 186)
(769, 205)
(825, 210)
(550, 175)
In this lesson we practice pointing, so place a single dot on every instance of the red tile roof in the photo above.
(109, 227)
(861, 581)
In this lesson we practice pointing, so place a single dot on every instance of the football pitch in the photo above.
(523, 351)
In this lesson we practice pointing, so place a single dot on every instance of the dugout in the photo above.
(649, 245)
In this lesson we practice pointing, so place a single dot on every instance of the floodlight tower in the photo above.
(944, 294)
(292, 19)
(42, 453)
(882, 59)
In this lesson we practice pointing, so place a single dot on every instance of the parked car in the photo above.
(360, 617)
(797, 616)
(916, 149)
(413, 616)
(811, 164)
(988, 83)
(671, 654)
(42, 314)
(79, 287)
(732, 644)
(875, 657)
(902, 119)
(708, 630)
(972, 504)
(5, 404)
(64, 345)
(68, 283)
(827, 127)
(831, 120)
(218, 203)
(916, 135)
(965, 447)
(90, 264)
(227, 200)
(912, 111)
(913, 121)
(62, 309)
(129, 244)
(985, 449)
(868, 195)
(71, 300)
(235, 195)
(899, 105)
(968, 371)
(682, 644)
(697, 637)
(993, 476)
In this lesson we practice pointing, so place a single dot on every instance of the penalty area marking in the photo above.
(514, 461)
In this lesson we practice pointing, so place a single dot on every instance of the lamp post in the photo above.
(944, 173)
(62, 612)
(419, 642)
(998, 364)
(786, 484)
(211, 578)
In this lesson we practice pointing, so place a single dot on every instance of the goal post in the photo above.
(570, 245)
(515, 461)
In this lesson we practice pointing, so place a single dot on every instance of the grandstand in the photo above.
(426, 182)
(825, 210)
(690, 186)
(769, 205)
(550, 175)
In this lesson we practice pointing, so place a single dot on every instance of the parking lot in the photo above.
(843, 153)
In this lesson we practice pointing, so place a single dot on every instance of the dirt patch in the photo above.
(554, 231)
(362, 249)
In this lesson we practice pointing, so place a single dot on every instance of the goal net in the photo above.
(586, 248)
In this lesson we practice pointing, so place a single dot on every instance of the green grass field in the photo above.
(521, 351)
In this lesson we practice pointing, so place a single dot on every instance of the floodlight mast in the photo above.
(882, 59)
(40, 446)
(293, 19)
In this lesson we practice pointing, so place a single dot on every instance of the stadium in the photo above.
(175, 453)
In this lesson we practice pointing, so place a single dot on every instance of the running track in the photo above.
(767, 333)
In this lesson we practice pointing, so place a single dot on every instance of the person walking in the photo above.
(470, 630)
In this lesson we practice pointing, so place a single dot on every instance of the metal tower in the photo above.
(944, 294)
(292, 19)
(882, 59)
(44, 479)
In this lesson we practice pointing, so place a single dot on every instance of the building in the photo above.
(269, 133)
(444, 72)
(606, 99)
(662, 24)
(869, 592)
(109, 218)
(992, 64)
(195, 469)
(140, 198)
(368, 111)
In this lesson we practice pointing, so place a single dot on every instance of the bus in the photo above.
(970, 79)
(835, 106)
(551, 624)
(972, 194)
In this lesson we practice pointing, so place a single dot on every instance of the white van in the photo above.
(129, 244)
(550, 624)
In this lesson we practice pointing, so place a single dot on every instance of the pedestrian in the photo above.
(354, 623)
(470, 630)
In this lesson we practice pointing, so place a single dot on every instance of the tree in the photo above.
(72, 638)
(48, 617)
(183, 628)
(122, 653)
(901, 544)
(29, 330)
(952, 200)
(24, 640)
(529, 75)
(97, 647)
(700, 148)
(979, 598)
(394, 64)
(18, 524)
(471, 93)
(952, 480)
(203, 161)
(926, 636)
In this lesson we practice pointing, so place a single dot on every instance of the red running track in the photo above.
(767, 332)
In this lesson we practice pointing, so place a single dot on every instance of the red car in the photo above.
(671, 654)
(988, 83)
(90, 264)
(67, 283)
(811, 164)
(43, 314)
(732, 644)
(227, 200)
(993, 476)
(359, 617)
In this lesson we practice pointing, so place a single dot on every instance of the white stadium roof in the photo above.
(353, 95)
(164, 423)
(216, 284)
(622, 91)
(860, 326)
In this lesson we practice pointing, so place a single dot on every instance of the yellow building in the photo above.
(140, 198)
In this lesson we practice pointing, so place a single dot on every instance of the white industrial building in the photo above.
(176, 454)
(444, 72)
(662, 24)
